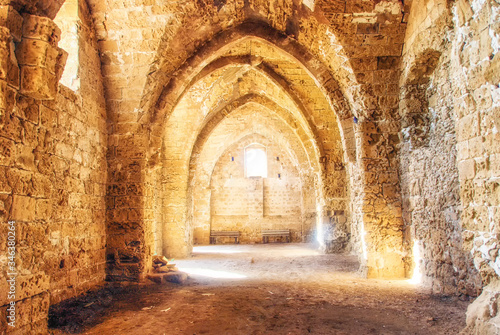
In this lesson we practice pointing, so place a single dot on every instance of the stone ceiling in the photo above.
(144, 42)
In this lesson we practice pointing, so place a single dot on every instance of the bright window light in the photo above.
(256, 161)
(417, 259)
(68, 21)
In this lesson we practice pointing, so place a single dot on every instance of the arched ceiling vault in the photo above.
(304, 115)
(239, 124)
(214, 96)
(242, 71)
(221, 48)
(144, 44)
(307, 142)
(271, 122)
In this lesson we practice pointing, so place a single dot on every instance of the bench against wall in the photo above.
(214, 234)
(275, 233)
(236, 235)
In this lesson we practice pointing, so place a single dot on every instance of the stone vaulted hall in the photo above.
(172, 167)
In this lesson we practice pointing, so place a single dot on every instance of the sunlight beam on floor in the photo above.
(212, 273)
(215, 250)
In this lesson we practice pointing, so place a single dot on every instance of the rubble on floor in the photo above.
(164, 272)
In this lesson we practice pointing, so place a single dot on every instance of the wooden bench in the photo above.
(214, 234)
(275, 233)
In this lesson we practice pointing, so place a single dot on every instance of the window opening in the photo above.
(256, 161)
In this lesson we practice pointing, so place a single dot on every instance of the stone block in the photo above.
(4, 52)
(8, 152)
(467, 169)
(390, 191)
(3, 101)
(23, 313)
(177, 277)
(37, 53)
(492, 74)
(38, 83)
(11, 19)
(41, 28)
(386, 76)
(468, 127)
(387, 63)
(482, 167)
(363, 64)
(44, 209)
(23, 208)
(367, 28)
(359, 6)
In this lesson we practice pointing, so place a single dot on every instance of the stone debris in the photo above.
(159, 260)
(163, 272)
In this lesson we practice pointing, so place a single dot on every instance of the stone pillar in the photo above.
(176, 235)
(40, 60)
(381, 200)
(128, 248)
(201, 215)
(10, 31)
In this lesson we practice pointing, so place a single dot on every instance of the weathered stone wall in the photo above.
(428, 154)
(449, 107)
(250, 205)
(52, 168)
(477, 110)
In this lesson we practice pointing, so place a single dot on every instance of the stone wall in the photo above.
(221, 191)
(449, 107)
(250, 205)
(428, 155)
(52, 168)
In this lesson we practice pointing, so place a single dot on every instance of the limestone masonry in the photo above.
(125, 128)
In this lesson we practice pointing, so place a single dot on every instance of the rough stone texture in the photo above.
(385, 114)
(52, 173)
(250, 205)
(449, 104)
(40, 60)
(482, 314)
(429, 172)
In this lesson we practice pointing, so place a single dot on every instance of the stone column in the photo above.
(10, 31)
(129, 204)
(381, 201)
(41, 61)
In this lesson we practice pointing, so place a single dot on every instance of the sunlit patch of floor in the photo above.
(212, 273)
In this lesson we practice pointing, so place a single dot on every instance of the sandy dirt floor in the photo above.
(267, 289)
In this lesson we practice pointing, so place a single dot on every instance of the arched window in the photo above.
(255, 161)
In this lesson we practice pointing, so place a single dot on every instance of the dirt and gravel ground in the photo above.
(265, 289)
